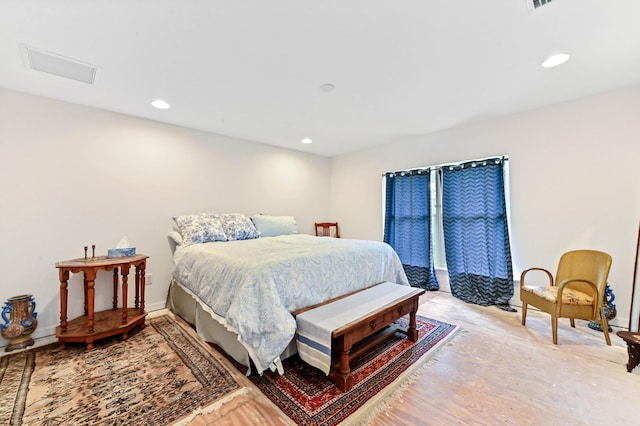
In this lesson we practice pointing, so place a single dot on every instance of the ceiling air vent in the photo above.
(534, 4)
(51, 63)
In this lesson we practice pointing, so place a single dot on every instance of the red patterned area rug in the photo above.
(159, 375)
(309, 397)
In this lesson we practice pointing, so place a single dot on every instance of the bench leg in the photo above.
(344, 380)
(412, 332)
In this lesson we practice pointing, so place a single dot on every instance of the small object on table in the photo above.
(85, 251)
(121, 252)
(123, 248)
(93, 251)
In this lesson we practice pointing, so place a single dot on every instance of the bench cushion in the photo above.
(314, 327)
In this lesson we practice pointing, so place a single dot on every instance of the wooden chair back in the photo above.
(588, 265)
(327, 229)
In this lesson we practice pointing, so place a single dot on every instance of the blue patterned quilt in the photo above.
(253, 285)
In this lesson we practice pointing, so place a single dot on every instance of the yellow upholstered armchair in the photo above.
(576, 293)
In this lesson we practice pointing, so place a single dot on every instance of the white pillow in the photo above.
(176, 237)
(272, 226)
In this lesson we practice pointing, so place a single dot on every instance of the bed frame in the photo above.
(190, 308)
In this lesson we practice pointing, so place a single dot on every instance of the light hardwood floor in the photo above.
(495, 371)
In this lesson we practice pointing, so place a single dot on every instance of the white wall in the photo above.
(72, 176)
(575, 180)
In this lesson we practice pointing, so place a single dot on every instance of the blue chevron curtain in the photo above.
(476, 236)
(407, 225)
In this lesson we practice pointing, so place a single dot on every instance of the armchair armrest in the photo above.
(549, 275)
(593, 286)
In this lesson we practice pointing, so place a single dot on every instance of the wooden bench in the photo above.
(361, 332)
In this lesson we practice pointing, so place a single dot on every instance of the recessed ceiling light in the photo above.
(327, 87)
(555, 60)
(160, 104)
(306, 141)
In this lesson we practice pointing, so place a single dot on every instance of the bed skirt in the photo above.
(194, 311)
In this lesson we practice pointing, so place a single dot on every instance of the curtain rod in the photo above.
(440, 166)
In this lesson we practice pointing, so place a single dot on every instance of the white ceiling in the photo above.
(253, 69)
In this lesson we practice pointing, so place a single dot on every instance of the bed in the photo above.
(239, 293)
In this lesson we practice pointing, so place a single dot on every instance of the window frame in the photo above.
(437, 227)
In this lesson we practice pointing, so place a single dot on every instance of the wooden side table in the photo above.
(97, 325)
(633, 348)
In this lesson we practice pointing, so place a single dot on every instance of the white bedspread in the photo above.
(253, 285)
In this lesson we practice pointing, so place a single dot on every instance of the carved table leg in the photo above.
(115, 288)
(412, 332)
(84, 292)
(125, 289)
(64, 282)
(90, 278)
(136, 301)
(633, 349)
(344, 380)
(143, 282)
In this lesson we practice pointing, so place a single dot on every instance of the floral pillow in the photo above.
(238, 226)
(200, 228)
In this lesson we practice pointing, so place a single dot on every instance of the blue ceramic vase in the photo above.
(19, 316)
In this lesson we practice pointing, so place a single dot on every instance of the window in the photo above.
(436, 222)
(437, 234)
(407, 224)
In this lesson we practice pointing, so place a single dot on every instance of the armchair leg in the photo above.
(573, 323)
(605, 326)
(524, 313)
(554, 329)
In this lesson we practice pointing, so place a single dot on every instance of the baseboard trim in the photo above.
(45, 335)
